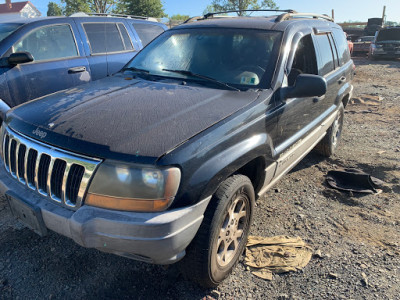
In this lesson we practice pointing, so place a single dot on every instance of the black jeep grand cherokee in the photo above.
(165, 160)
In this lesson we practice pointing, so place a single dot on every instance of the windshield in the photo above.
(388, 35)
(7, 29)
(239, 57)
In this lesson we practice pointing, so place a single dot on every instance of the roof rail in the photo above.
(211, 14)
(289, 15)
(192, 19)
(82, 14)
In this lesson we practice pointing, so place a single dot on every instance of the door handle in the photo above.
(76, 70)
(342, 79)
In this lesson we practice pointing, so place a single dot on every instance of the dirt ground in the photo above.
(358, 235)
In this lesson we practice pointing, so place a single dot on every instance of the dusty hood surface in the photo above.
(116, 117)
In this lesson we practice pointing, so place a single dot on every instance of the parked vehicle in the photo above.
(40, 56)
(373, 25)
(386, 44)
(164, 161)
(362, 45)
(350, 44)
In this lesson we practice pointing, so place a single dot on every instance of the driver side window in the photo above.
(304, 61)
(48, 43)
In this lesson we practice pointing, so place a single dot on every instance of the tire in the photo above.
(216, 249)
(327, 146)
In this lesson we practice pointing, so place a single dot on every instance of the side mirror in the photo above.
(20, 58)
(306, 85)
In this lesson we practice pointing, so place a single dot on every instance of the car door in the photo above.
(328, 67)
(119, 46)
(57, 63)
(94, 36)
(296, 116)
(108, 44)
(4, 93)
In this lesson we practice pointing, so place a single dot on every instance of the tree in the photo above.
(74, 6)
(102, 6)
(179, 17)
(225, 5)
(53, 9)
(148, 8)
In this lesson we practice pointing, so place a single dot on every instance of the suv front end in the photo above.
(87, 199)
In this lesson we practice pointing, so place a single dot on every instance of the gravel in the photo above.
(355, 237)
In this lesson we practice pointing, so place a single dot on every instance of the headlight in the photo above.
(133, 187)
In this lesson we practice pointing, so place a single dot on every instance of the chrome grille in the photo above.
(57, 174)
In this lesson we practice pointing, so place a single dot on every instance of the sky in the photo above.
(355, 10)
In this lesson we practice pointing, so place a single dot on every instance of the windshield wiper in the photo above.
(189, 73)
(134, 69)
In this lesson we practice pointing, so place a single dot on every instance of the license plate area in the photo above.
(29, 215)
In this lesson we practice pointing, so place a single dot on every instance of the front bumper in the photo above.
(159, 238)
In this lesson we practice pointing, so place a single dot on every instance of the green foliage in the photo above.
(74, 6)
(392, 23)
(88, 6)
(209, 9)
(225, 5)
(102, 6)
(179, 17)
(148, 8)
(53, 9)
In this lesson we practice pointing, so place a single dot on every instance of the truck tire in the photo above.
(222, 236)
(327, 146)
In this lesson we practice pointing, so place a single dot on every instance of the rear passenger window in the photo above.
(114, 41)
(48, 43)
(96, 34)
(147, 32)
(107, 37)
(125, 37)
(325, 54)
(342, 46)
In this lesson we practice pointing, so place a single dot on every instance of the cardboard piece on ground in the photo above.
(278, 254)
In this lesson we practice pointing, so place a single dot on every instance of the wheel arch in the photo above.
(249, 157)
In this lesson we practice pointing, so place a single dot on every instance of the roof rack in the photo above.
(211, 14)
(82, 14)
(289, 15)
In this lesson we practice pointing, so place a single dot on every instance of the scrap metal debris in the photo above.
(354, 180)
(277, 254)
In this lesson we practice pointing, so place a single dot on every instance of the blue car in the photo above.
(40, 56)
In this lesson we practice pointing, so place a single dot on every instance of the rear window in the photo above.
(388, 35)
(7, 29)
(107, 37)
(341, 46)
(325, 57)
(147, 32)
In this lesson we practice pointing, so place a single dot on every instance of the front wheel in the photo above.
(222, 236)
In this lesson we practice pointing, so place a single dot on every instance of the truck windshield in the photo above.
(243, 58)
(388, 35)
(6, 29)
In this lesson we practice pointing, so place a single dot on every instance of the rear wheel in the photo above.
(222, 237)
(327, 146)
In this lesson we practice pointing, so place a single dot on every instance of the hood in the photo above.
(124, 118)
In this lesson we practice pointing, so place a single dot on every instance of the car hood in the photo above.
(125, 118)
